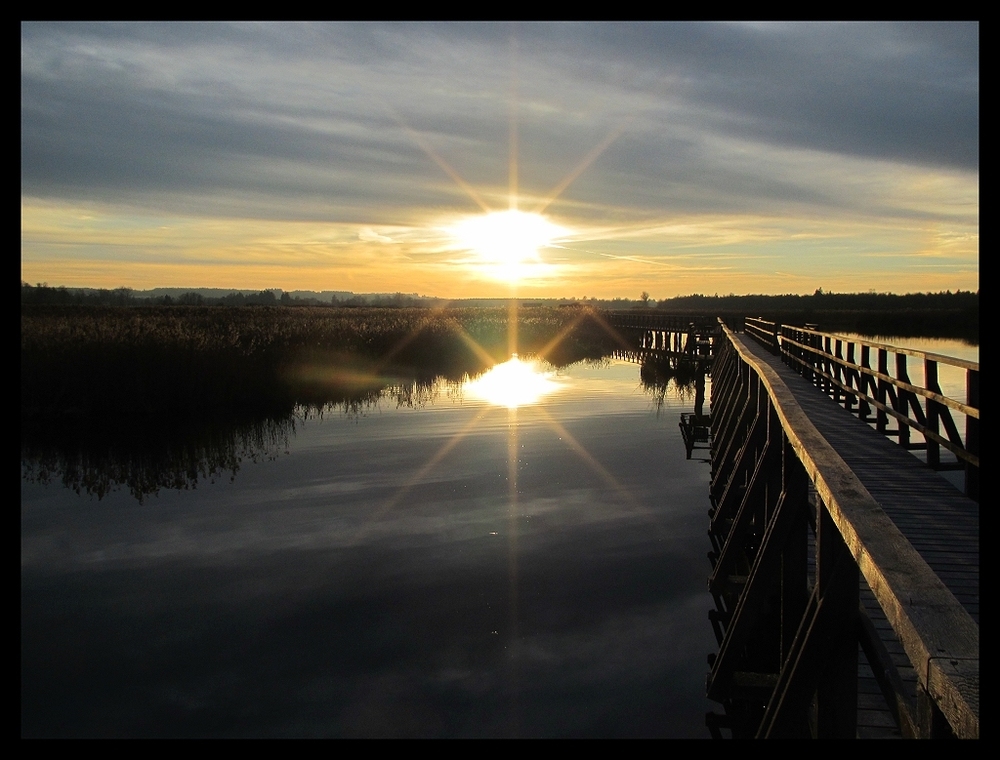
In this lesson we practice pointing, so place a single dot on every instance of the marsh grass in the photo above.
(168, 397)
(117, 361)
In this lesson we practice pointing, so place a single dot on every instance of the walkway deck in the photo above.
(940, 522)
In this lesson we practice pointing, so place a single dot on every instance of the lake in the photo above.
(520, 556)
(429, 565)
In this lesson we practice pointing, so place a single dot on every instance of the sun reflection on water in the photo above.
(513, 384)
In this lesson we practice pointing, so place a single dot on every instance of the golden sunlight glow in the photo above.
(507, 241)
(512, 384)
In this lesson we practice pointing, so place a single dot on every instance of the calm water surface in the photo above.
(449, 567)
(457, 568)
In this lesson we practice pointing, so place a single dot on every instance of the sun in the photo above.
(513, 384)
(507, 242)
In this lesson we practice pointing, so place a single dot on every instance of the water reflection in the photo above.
(514, 383)
(145, 459)
(687, 377)
(148, 454)
(465, 569)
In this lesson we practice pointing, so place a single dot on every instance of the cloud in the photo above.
(354, 122)
(369, 235)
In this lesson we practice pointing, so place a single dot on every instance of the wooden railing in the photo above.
(788, 617)
(872, 380)
(681, 336)
(654, 320)
(763, 331)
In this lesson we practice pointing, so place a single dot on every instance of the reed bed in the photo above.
(180, 361)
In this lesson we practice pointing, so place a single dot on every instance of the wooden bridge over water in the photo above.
(845, 570)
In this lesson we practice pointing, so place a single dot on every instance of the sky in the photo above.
(457, 160)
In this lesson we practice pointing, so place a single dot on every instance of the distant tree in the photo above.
(42, 293)
(645, 298)
(122, 296)
(190, 299)
(263, 298)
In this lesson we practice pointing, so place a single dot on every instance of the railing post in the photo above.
(794, 555)
(828, 387)
(931, 723)
(837, 580)
(972, 433)
(881, 418)
(931, 407)
(806, 367)
(818, 362)
(840, 375)
(852, 376)
(864, 382)
(805, 355)
(901, 404)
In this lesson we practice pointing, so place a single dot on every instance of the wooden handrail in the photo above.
(916, 389)
(940, 358)
(818, 356)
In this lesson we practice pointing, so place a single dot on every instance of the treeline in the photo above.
(820, 301)
(753, 304)
(42, 294)
(910, 315)
(944, 314)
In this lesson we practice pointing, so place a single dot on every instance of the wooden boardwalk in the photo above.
(940, 522)
(845, 569)
(889, 560)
